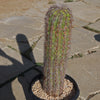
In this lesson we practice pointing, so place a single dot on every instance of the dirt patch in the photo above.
(14, 7)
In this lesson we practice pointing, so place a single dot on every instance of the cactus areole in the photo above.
(58, 24)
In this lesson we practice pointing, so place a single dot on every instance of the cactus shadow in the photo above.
(26, 79)
(9, 72)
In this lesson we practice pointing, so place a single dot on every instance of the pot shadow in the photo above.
(97, 37)
(9, 72)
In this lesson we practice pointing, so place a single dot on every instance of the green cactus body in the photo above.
(58, 23)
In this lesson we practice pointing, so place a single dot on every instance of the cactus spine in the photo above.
(58, 24)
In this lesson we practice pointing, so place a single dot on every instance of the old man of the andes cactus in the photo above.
(58, 24)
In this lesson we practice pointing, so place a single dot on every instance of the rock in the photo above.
(96, 97)
(34, 13)
(83, 11)
(10, 27)
(93, 2)
(95, 25)
(20, 30)
(82, 40)
(78, 22)
(85, 71)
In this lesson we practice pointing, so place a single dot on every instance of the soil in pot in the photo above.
(68, 92)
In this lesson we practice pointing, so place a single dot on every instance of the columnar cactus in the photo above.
(58, 24)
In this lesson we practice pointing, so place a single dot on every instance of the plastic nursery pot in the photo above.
(74, 95)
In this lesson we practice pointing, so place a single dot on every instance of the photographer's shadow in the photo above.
(6, 92)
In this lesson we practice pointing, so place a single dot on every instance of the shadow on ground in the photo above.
(25, 79)
(6, 92)
(97, 37)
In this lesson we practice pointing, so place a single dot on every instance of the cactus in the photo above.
(58, 24)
